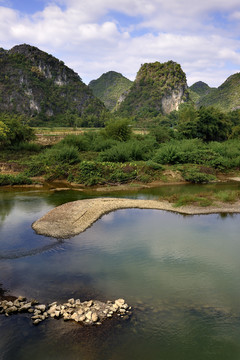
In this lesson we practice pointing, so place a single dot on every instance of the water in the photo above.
(180, 273)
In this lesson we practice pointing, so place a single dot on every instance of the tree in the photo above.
(212, 124)
(188, 119)
(16, 130)
(118, 130)
(3, 131)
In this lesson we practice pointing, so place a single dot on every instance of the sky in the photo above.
(93, 37)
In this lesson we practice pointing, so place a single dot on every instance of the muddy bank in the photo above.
(74, 217)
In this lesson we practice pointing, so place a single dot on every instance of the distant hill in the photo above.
(109, 87)
(198, 90)
(226, 97)
(36, 84)
(158, 88)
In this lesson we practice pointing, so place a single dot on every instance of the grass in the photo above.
(203, 199)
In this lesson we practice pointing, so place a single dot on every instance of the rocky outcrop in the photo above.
(172, 101)
(36, 84)
(159, 88)
(86, 313)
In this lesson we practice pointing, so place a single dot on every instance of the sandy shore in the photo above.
(74, 217)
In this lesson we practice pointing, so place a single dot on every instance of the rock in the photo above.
(77, 302)
(94, 317)
(25, 307)
(52, 304)
(41, 307)
(74, 316)
(9, 303)
(16, 303)
(11, 310)
(89, 315)
(90, 303)
(71, 301)
(21, 298)
(120, 302)
(82, 318)
(37, 321)
(57, 314)
(114, 308)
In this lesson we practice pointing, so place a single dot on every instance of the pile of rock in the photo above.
(87, 312)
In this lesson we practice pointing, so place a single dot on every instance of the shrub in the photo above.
(25, 146)
(19, 179)
(124, 152)
(118, 130)
(195, 176)
(80, 142)
(67, 154)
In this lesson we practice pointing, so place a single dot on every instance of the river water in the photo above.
(181, 275)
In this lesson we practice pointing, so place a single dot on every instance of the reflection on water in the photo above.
(180, 273)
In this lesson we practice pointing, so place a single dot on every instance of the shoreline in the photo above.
(73, 218)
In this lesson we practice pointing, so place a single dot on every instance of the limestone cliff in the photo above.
(158, 89)
(36, 84)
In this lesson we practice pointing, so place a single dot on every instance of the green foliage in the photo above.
(15, 130)
(92, 173)
(40, 86)
(58, 154)
(27, 147)
(128, 151)
(19, 179)
(3, 132)
(225, 97)
(109, 87)
(118, 130)
(162, 134)
(80, 142)
(193, 175)
(153, 82)
(208, 124)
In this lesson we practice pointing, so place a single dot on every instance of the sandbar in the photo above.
(72, 218)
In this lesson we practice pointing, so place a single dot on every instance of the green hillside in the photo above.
(159, 88)
(109, 87)
(226, 97)
(198, 90)
(40, 86)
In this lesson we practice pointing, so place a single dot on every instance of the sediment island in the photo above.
(72, 218)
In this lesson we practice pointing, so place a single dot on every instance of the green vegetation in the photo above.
(14, 131)
(19, 179)
(198, 144)
(204, 198)
(198, 90)
(225, 97)
(109, 87)
(35, 84)
(154, 82)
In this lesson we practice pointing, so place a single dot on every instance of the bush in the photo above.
(124, 152)
(67, 154)
(25, 146)
(118, 130)
(80, 142)
(19, 179)
(92, 173)
(195, 176)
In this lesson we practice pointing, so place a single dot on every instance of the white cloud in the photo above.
(80, 34)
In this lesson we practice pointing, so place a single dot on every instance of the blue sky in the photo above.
(102, 35)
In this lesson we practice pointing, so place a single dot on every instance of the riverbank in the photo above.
(75, 217)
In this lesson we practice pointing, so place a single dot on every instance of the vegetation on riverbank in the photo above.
(201, 145)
